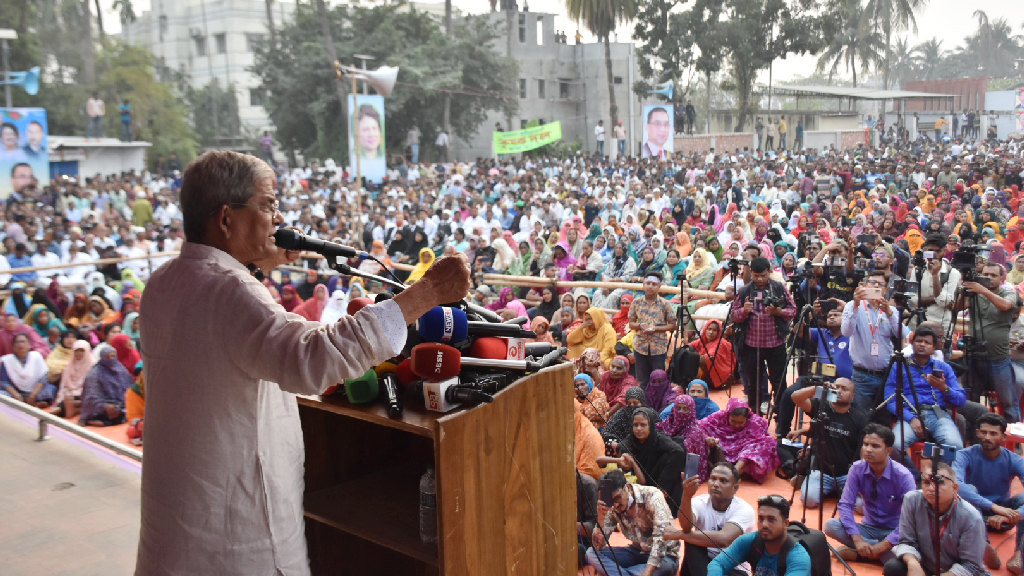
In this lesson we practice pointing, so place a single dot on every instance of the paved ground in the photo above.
(63, 510)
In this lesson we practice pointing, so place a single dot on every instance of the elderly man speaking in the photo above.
(222, 475)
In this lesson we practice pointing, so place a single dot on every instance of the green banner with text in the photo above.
(527, 138)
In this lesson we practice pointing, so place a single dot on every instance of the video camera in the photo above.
(733, 265)
(901, 290)
(965, 260)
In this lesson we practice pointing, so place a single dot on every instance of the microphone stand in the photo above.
(347, 270)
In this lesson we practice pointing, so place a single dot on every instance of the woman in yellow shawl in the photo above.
(129, 274)
(995, 228)
(914, 240)
(928, 205)
(595, 332)
(426, 259)
(99, 313)
(60, 356)
(683, 244)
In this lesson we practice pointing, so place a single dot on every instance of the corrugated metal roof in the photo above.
(862, 93)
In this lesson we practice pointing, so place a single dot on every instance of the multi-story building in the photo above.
(561, 81)
(209, 39)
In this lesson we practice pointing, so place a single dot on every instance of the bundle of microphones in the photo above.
(450, 360)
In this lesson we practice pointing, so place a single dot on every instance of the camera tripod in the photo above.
(898, 361)
(974, 344)
(806, 321)
(683, 318)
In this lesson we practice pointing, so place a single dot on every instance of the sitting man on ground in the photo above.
(718, 516)
(962, 543)
(932, 393)
(642, 515)
(984, 472)
(770, 540)
(842, 423)
(881, 483)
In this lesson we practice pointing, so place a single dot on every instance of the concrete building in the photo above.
(565, 82)
(209, 39)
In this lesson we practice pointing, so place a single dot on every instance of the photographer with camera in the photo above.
(835, 262)
(938, 283)
(762, 312)
(823, 341)
(831, 405)
(933, 391)
(870, 323)
(998, 307)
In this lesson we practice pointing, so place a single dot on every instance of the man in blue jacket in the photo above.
(930, 395)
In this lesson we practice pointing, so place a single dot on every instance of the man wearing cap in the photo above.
(642, 515)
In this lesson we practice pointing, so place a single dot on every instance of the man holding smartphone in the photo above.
(718, 516)
(870, 323)
(930, 396)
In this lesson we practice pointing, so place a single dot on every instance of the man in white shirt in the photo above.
(130, 250)
(222, 491)
(77, 274)
(43, 257)
(719, 517)
(599, 134)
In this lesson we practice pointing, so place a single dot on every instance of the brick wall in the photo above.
(851, 138)
(726, 142)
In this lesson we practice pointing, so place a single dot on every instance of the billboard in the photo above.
(366, 136)
(658, 131)
(1018, 109)
(24, 156)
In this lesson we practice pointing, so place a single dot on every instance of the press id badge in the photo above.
(874, 348)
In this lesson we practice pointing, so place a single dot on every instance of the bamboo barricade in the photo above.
(100, 262)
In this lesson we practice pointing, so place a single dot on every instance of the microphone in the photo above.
(450, 325)
(447, 394)
(392, 398)
(292, 240)
(363, 389)
(519, 320)
(537, 349)
(432, 361)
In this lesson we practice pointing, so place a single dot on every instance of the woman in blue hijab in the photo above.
(698, 389)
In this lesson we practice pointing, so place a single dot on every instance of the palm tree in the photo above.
(928, 56)
(855, 43)
(601, 17)
(904, 64)
(892, 16)
(126, 13)
(993, 48)
(99, 22)
(88, 47)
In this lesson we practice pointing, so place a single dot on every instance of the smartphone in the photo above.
(938, 373)
(874, 293)
(865, 238)
(941, 451)
(929, 254)
(692, 465)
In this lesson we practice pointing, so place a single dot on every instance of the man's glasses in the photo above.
(268, 208)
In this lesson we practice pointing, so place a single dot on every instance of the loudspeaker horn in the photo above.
(382, 79)
(28, 80)
(666, 89)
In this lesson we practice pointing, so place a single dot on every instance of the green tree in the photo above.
(929, 56)
(904, 62)
(660, 32)
(299, 77)
(601, 17)
(991, 50)
(890, 16)
(203, 102)
(758, 32)
(857, 42)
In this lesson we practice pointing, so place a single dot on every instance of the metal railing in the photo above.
(46, 420)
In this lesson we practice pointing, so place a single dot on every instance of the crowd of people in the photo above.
(780, 250)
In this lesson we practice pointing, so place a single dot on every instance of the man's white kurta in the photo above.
(222, 478)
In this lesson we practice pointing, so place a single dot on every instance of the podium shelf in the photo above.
(382, 507)
(415, 419)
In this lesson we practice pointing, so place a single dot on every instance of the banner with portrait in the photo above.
(659, 132)
(366, 136)
(24, 156)
(1018, 110)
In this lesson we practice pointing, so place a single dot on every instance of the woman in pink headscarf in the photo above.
(744, 439)
(12, 327)
(312, 309)
(507, 301)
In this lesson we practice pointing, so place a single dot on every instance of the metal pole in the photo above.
(7, 74)
(213, 79)
(355, 140)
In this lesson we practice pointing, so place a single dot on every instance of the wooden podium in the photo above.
(505, 473)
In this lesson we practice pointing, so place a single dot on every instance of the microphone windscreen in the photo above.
(404, 372)
(287, 239)
(363, 389)
(489, 347)
(444, 325)
(435, 361)
(358, 304)
(386, 367)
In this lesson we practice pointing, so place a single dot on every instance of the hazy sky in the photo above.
(947, 20)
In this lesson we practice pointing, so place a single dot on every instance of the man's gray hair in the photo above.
(214, 179)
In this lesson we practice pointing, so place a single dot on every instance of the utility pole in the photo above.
(213, 79)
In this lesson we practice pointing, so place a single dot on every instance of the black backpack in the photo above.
(684, 366)
(812, 540)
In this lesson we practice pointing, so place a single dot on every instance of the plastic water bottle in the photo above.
(428, 507)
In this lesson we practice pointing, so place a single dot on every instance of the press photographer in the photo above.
(762, 312)
(997, 307)
(834, 268)
(834, 416)
(937, 280)
(870, 323)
